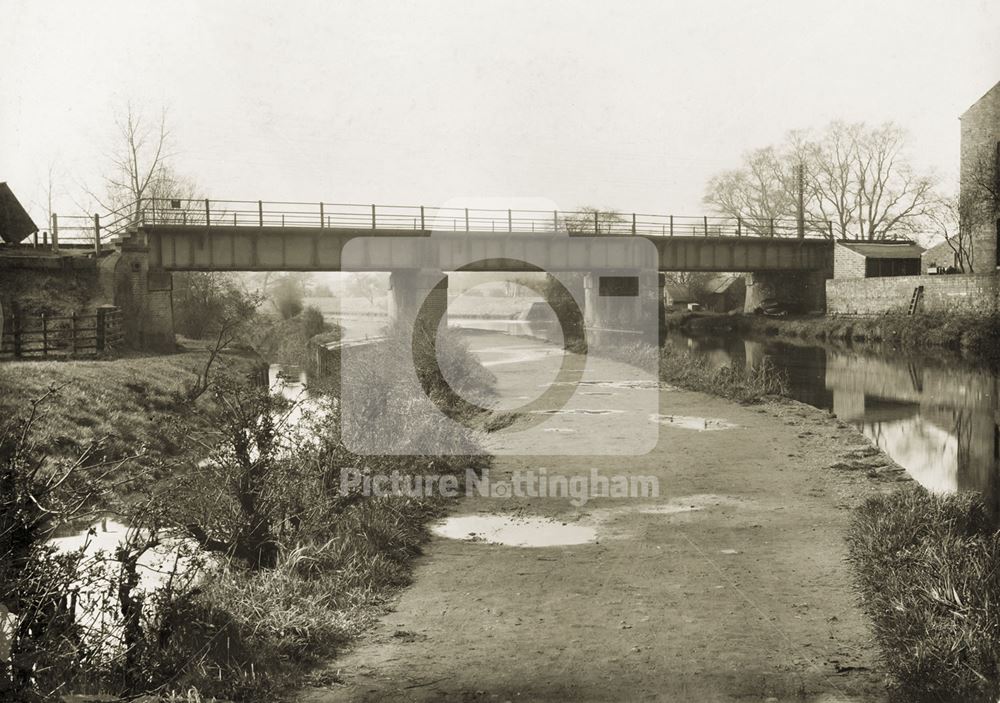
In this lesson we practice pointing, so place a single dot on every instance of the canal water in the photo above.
(937, 419)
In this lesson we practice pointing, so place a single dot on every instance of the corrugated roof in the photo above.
(15, 223)
(885, 250)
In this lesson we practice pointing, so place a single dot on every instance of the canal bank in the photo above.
(728, 585)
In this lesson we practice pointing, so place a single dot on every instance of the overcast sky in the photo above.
(632, 105)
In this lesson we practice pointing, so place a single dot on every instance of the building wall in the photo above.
(980, 137)
(847, 263)
(940, 255)
(978, 293)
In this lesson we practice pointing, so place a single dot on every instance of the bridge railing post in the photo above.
(260, 213)
(705, 218)
(422, 224)
(770, 231)
(739, 226)
(55, 232)
(97, 234)
(633, 224)
(373, 216)
(510, 221)
(555, 221)
(208, 214)
(597, 226)
(671, 225)
(466, 219)
(321, 216)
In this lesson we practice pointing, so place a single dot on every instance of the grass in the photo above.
(928, 571)
(132, 401)
(684, 369)
(974, 336)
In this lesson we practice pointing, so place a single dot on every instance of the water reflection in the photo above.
(940, 422)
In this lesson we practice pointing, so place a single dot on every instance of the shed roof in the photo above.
(885, 250)
(15, 223)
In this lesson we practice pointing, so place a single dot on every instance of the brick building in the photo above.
(980, 179)
(876, 259)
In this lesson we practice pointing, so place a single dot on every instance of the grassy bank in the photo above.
(684, 369)
(928, 570)
(127, 403)
(293, 562)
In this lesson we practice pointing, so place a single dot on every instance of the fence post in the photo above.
(321, 216)
(97, 234)
(55, 232)
(99, 331)
(373, 216)
(15, 324)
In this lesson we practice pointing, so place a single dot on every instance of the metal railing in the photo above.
(259, 213)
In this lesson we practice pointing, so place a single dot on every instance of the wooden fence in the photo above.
(60, 336)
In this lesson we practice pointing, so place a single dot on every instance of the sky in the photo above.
(628, 105)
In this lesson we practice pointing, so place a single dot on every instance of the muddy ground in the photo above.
(730, 585)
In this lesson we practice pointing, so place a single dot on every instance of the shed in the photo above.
(853, 259)
(15, 223)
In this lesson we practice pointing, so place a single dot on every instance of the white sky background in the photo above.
(612, 104)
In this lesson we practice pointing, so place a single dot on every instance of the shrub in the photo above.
(312, 322)
(928, 571)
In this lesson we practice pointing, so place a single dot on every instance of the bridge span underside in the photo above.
(219, 248)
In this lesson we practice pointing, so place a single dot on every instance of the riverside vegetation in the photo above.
(282, 568)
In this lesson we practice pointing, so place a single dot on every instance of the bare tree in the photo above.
(958, 218)
(592, 220)
(758, 192)
(854, 176)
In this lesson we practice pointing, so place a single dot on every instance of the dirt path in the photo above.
(730, 586)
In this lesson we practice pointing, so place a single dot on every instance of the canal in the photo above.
(936, 418)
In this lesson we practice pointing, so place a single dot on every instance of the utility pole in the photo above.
(800, 187)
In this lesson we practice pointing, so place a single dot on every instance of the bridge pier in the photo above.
(418, 298)
(794, 291)
(628, 305)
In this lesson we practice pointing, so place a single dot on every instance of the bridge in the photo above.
(789, 259)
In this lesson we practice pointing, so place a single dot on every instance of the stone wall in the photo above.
(979, 293)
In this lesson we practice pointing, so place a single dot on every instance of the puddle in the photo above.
(687, 422)
(576, 411)
(609, 384)
(514, 531)
(690, 504)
